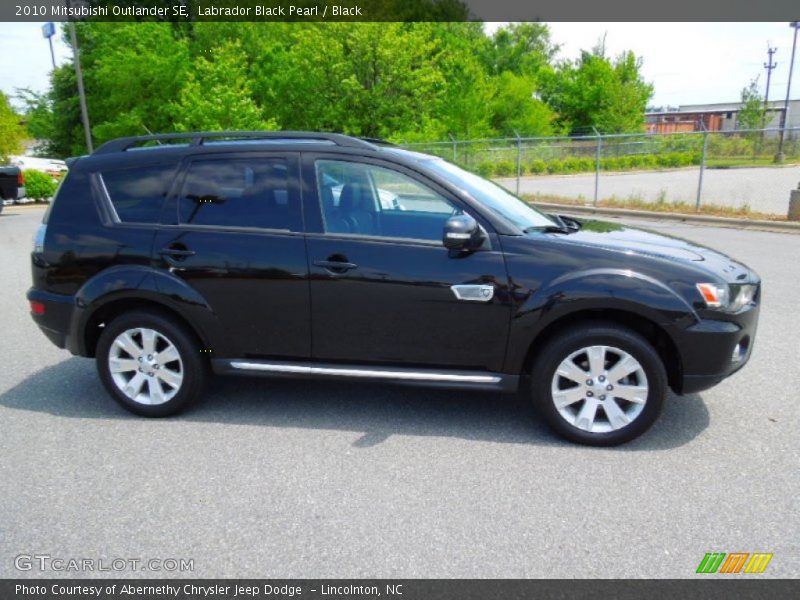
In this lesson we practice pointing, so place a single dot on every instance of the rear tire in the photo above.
(599, 384)
(150, 364)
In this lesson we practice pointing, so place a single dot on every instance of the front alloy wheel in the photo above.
(599, 383)
(599, 389)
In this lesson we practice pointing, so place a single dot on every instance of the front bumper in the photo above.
(713, 349)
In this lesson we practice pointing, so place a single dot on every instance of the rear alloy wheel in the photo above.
(145, 366)
(600, 385)
(150, 364)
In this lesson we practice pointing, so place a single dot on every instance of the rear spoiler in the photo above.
(72, 160)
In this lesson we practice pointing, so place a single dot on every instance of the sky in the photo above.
(688, 63)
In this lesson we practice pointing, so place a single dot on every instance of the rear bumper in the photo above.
(712, 349)
(57, 317)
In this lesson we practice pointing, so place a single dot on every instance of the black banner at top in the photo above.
(399, 10)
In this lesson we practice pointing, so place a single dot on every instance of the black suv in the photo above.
(321, 255)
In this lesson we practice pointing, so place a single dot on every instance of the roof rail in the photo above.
(198, 138)
(377, 141)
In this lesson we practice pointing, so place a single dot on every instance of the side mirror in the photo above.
(462, 232)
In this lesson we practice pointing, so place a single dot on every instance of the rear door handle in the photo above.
(335, 265)
(175, 253)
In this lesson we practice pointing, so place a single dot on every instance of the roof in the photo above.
(720, 107)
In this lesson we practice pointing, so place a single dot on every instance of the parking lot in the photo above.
(281, 478)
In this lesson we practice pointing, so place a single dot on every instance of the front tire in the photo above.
(599, 384)
(150, 364)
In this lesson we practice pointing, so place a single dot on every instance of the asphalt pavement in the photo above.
(763, 189)
(281, 478)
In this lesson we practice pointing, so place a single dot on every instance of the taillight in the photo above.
(38, 239)
(37, 308)
(21, 178)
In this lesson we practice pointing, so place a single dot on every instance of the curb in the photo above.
(780, 226)
(24, 207)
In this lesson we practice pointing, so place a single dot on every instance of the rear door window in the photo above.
(239, 192)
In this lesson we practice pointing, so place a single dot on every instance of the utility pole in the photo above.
(76, 57)
(784, 117)
(769, 66)
(87, 131)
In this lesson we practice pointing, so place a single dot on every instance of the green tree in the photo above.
(131, 72)
(398, 80)
(522, 48)
(752, 113)
(12, 133)
(459, 103)
(67, 138)
(39, 119)
(596, 91)
(516, 108)
(217, 96)
(387, 80)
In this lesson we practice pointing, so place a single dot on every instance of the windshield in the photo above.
(492, 196)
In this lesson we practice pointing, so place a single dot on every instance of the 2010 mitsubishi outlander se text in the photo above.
(320, 255)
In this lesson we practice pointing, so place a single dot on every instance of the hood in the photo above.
(631, 240)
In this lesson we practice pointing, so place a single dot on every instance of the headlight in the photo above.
(729, 298)
(741, 296)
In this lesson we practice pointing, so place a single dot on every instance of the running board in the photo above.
(483, 380)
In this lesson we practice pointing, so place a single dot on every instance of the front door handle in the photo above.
(336, 266)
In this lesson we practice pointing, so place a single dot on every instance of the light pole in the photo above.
(48, 31)
(784, 117)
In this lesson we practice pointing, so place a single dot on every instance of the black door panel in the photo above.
(256, 284)
(392, 302)
(397, 307)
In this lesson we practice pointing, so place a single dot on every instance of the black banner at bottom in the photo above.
(397, 589)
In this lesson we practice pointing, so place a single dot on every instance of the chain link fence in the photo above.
(526, 164)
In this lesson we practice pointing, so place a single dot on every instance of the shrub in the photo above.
(675, 159)
(625, 162)
(485, 168)
(568, 165)
(648, 161)
(538, 166)
(38, 185)
(505, 168)
(577, 164)
(555, 166)
(636, 161)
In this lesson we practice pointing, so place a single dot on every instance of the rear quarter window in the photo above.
(138, 194)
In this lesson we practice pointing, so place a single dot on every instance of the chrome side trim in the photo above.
(473, 293)
(364, 372)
